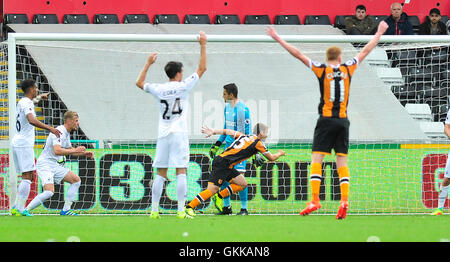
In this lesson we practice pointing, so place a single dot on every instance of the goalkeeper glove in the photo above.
(214, 149)
(258, 160)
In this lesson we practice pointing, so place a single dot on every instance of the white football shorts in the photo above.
(24, 159)
(51, 172)
(447, 167)
(172, 151)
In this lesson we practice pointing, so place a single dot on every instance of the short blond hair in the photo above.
(69, 115)
(333, 53)
(259, 128)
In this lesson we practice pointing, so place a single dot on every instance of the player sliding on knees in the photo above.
(51, 169)
(243, 147)
(332, 128)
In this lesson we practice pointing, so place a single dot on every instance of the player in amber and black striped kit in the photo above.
(243, 147)
(332, 128)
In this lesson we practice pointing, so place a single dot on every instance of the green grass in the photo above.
(207, 228)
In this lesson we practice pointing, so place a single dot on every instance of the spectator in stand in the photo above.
(398, 21)
(433, 24)
(360, 23)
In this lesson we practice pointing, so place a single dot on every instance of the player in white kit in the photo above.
(172, 147)
(446, 182)
(50, 165)
(23, 141)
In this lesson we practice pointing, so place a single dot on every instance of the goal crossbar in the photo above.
(222, 38)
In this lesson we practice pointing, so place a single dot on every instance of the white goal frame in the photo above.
(14, 37)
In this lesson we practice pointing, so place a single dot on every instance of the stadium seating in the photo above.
(405, 93)
(16, 19)
(415, 21)
(197, 19)
(420, 73)
(45, 19)
(427, 90)
(166, 19)
(317, 20)
(339, 22)
(257, 19)
(439, 108)
(379, 18)
(287, 20)
(75, 19)
(227, 19)
(106, 19)
(436, 56)
(136, 18)
(404, 58)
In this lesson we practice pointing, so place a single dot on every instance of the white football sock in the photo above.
(442, 196)
(157, 189)
(181, 191)
(39, 199)
(23, 191)
(71, 195)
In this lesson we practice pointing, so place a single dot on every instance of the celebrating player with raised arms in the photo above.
(172, 147)
(332, 128)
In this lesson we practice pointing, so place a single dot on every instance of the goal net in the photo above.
(398, 103)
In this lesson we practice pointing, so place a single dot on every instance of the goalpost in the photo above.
(395, 168)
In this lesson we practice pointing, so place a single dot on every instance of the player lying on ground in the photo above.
(51, 169)
(332, 128)
(243, 147)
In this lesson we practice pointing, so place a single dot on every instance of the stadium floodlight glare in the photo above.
(386, 175)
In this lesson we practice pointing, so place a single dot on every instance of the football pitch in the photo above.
(211, 228)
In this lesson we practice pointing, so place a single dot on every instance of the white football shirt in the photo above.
(173, 98)
(48, 154)
(25, 131)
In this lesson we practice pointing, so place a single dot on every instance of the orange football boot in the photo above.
(310, 207)
(342, 212)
